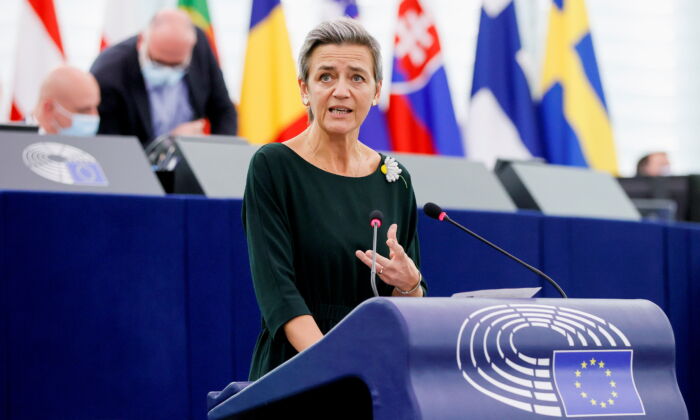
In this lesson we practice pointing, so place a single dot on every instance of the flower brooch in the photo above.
(391, 170)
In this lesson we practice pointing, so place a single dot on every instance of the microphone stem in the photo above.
(373, 276)
(509, 255)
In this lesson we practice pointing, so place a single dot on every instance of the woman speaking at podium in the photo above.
(307, 204)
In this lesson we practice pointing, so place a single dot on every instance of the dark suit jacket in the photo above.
(125, 109)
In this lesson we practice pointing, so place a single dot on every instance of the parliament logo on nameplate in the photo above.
(64, 163)
(584, 367)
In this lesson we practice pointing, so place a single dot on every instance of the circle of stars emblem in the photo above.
(592, 365)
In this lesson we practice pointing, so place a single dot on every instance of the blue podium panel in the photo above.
(92, 299)
(223, 319)
(441, 358)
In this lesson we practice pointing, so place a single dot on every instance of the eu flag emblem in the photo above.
(87, 173)
(596, 383)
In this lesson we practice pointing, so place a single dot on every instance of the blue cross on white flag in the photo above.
(502, 119)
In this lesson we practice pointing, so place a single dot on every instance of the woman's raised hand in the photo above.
(398, 270)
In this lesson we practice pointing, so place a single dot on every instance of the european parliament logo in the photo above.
(584, 368)
(64, 163)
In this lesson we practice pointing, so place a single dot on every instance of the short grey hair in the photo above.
(336, 32)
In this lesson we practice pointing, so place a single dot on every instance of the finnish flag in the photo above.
(502, 120)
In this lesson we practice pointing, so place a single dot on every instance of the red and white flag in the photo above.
(122, 20)
(39, 50)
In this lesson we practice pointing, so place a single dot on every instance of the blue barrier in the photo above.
(110, 305)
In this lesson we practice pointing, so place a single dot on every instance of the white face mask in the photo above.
(156, 74)
(82, 125)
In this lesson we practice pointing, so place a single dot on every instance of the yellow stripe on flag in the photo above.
(583, 108)
(270, 98)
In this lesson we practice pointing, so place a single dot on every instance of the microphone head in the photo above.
(432, 210)
(375, 218)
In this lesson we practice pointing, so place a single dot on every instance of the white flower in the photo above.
(391, 169)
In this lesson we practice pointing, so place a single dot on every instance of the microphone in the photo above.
(375, 220)
(434, 211)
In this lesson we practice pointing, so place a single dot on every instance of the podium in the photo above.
(450, 358)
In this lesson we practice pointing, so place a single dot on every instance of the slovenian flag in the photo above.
(420, 115)
(270, 108)
(575, 124)
(502, 119)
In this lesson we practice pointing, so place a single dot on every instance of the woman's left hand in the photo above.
(398, 270)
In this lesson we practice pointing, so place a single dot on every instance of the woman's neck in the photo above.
(341, 154)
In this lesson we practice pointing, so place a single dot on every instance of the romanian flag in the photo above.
(199, 13)
(270, 108)
(575, 125)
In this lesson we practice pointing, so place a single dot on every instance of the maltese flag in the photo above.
(502, 120)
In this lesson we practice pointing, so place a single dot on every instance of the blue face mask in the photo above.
(158, 75)
(155, 74)
(82, 125)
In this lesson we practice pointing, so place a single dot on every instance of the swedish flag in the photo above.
(596, 383)
(575, 125)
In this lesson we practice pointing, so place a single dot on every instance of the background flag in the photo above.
(121, 21)
(199, 13)
(333, 9)
(502, 115)
(39, 50)
(575, 125)
(373, 131)
(421, 117)
(270, 108)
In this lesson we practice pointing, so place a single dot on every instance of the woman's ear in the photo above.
(304, 90)
(377, 94)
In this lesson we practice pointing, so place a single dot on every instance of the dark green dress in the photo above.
(303, 225)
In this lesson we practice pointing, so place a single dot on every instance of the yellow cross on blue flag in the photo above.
(575, 125)
(596, 383)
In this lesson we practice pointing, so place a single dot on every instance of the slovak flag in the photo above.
(420, 115)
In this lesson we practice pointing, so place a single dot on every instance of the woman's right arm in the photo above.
(270, 250)
(302, 332)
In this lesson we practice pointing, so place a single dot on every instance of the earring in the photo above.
(374, 102)
(305, 100)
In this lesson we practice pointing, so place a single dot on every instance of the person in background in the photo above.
(307, 203)
(68, 101)
(164, 81)
(654, 164)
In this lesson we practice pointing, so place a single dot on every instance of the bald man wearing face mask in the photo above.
(166, 80)
(67, 105)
